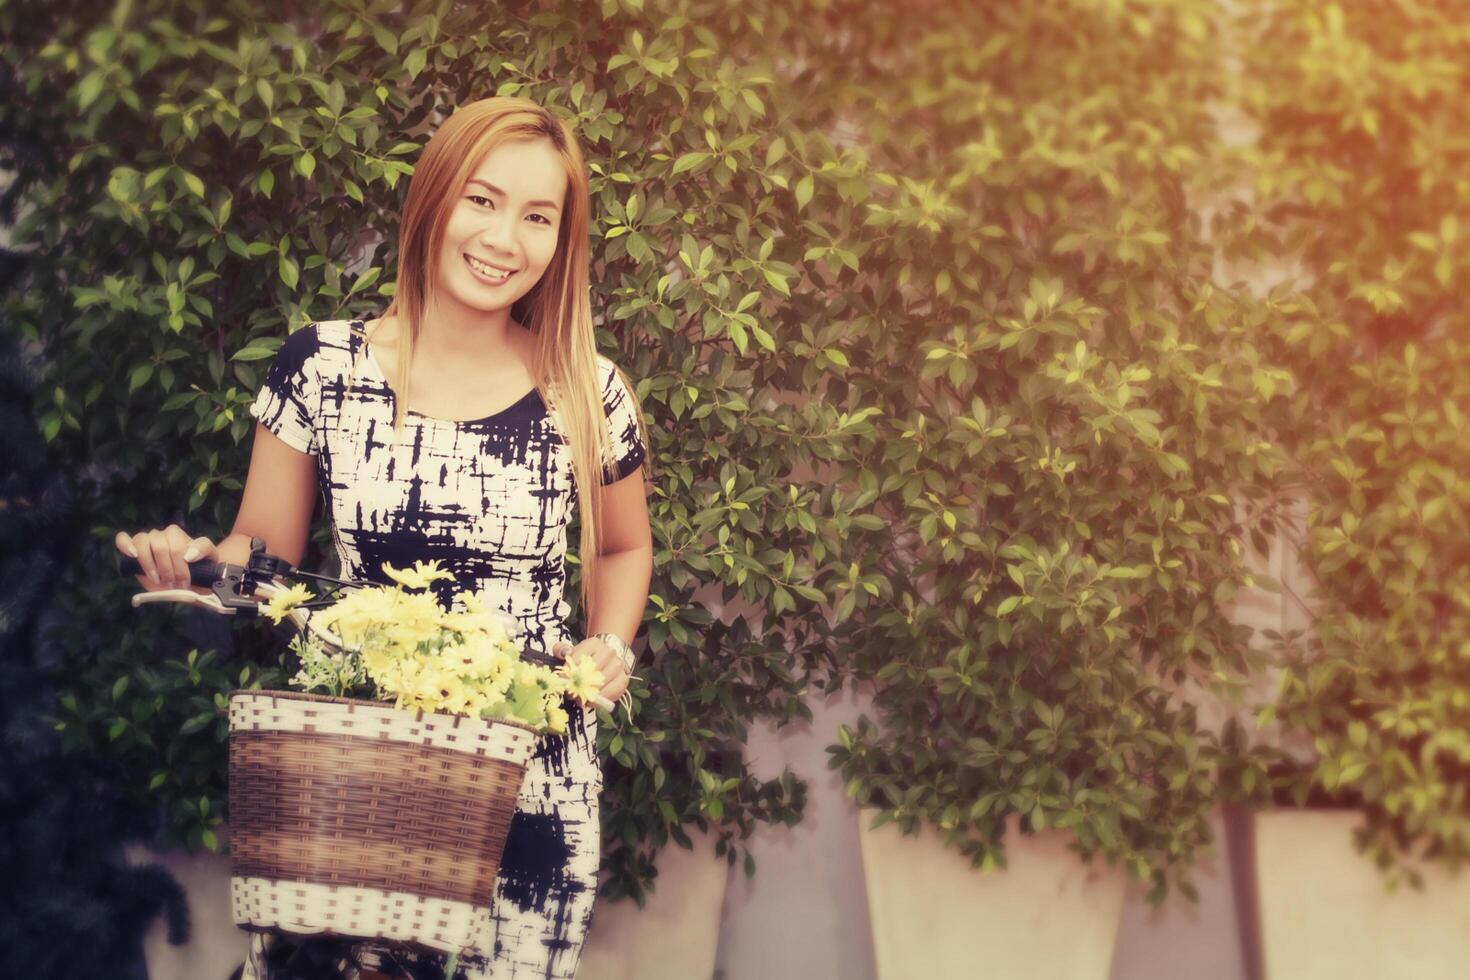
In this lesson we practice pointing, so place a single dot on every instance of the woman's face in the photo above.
(506, 218)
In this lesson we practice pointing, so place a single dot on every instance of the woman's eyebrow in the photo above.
(535, 204)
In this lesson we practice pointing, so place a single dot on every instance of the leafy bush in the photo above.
(1359, 181)
(1069, 448)
(71, 905)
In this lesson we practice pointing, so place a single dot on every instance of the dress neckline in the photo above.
(359, 327)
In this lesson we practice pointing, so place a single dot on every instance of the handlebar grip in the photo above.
(202, 572)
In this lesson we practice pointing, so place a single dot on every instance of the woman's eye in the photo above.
(479, 197)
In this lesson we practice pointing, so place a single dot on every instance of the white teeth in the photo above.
(485, 270)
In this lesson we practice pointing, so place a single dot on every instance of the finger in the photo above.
(143, 546)
(606, 659)
(129, 545)
(615, 690)
(610, 664)
(163, 559)
(161, 547)
(178, 543)
(201, 549)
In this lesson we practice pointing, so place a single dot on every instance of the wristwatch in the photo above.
(625, 653)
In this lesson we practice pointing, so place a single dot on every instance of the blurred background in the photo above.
(1062, 528)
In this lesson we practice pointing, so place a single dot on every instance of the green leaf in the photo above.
(414, 62)
(804, 190)
(777, 281)
(688, 162)
(254, 354)
(365, 279)
(89, 88)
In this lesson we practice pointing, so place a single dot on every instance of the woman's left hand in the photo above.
(615, 676)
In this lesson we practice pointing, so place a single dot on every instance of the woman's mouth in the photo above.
(486, 273)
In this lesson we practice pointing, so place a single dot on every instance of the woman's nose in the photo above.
(499, 234)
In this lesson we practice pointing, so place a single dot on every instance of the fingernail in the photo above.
(154, 577)
(129, 550)
(191, 554)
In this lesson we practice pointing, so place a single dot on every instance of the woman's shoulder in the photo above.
(321, 347)
(608, 370)
(614, 382)
(317, 336)
(338, 335)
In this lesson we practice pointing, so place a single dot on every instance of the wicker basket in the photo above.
(356, 819)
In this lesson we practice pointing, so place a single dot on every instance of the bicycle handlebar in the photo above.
(203, 572)
(237, 590)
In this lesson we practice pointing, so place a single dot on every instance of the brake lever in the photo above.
(188, 597)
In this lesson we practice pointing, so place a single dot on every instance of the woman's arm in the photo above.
(625, 562)
(277, 504)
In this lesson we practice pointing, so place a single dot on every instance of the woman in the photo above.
(461, 425)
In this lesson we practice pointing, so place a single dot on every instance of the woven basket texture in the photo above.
(355, 818)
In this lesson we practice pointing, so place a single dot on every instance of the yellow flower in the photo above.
(456, 697)
(419, 576)
(284, 601)
(477, 655)
(583, 680)
(471, 615)
(463, 660)
(426, 686)
(496, 686)
(384, 615)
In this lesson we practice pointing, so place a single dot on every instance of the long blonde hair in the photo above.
(557, 310)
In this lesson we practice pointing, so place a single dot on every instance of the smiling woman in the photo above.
(465, 424)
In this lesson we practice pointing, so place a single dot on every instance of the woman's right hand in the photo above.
(164, 554)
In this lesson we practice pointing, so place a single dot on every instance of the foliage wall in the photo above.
(1068, 482)
(1362, 184)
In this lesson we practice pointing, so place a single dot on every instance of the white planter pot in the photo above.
(676, 934)
(1325, 913)
(1045, 916)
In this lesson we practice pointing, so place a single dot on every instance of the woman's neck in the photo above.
(450, 332)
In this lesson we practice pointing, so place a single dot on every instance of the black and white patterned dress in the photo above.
(491, 499)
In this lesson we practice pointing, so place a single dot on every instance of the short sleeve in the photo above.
(625, 438)
(286, 399)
